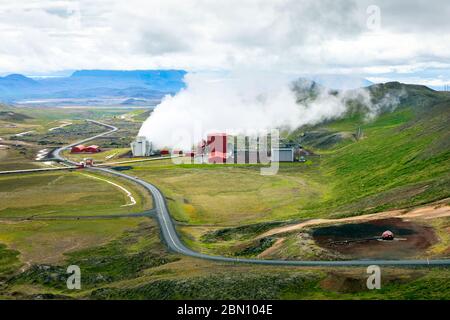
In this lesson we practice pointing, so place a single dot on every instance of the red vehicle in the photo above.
(164, 152)
(89, 162)
(81, 165)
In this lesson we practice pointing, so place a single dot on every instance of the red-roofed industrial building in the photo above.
(79, 148)
(82, 148)
(92, 149)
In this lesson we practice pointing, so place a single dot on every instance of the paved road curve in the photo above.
(56, 154)
(172, 240)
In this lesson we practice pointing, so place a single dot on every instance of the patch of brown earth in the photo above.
(343, 283)
(436, 210)
(359, 240)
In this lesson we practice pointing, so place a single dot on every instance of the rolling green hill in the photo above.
(399, 158)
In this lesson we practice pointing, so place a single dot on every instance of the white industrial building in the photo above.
(283, 154)
(141, 147)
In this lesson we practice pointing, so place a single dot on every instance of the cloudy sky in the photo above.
(407, 40)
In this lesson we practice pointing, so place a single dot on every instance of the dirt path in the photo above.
(128, 193)
(272, 249)
(437, 209)
(63, 124)
(23, 133)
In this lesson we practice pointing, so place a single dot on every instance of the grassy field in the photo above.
(46, 242)
(125, 259)
(9, 261)
(76, 131)
(16, 157)
(233, 194)
(242, 282)
(75, 113)
(14, 120)
(67, 193)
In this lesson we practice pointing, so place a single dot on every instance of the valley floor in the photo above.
(49, 221)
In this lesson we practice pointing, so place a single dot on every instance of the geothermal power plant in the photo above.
(219, 148)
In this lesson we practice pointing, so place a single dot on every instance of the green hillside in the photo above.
(397, 159)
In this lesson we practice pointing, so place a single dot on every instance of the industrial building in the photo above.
(78, 149)
(92, 149)
(89, 149)
(223, 148)
(141, 147)
(284, 154)
(217, 148)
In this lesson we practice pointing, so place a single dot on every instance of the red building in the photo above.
(217, 157)
(92, 149)
(217, 144)
(79, 148)
(164, 152)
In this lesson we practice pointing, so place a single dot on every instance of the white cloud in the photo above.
(241, 103)
(309, 36)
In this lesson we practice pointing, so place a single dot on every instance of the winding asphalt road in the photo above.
(57, 152)
(172, 240)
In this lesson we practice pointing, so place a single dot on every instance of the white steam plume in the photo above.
(240, 103)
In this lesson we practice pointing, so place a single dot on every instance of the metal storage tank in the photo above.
(141, 147)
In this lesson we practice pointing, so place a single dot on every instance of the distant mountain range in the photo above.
(115, 87)
(142, 86)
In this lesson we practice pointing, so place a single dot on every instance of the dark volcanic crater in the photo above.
(411, 239)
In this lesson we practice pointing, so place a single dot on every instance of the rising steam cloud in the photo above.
(239, 104)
